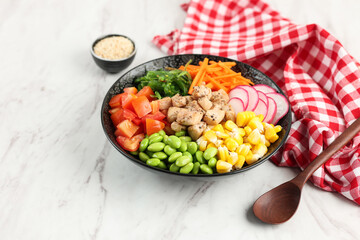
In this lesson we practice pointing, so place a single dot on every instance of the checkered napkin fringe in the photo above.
(320, 78)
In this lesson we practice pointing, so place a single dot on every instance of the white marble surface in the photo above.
(61, 179)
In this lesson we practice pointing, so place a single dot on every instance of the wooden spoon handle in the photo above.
(336, 145)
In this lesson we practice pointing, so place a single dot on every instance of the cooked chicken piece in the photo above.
(178, 101)
(197, 130)
(194, 105)
(188, 99)
(188, 117)
(219, 96)
(177, 127)
(205, 103)
(201, 91)
(214, 116)
(230, 115)
(164, 103)
(172, 113)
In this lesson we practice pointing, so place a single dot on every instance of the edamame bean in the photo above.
(153, 162)
(169, 150)
(199, 157)
(192, 147)
(143, 156)
(187, 168)
(174, 168)
(182, 161)
(160, 155)
(156, 147)
(161, 133)
(154, 135)
(144, 144)
(210, 152)
(162, 165)
(155, 139)
(183, 146)
(174, 156)
(212, 162)
(196, 168)
(135, 153)
(188, 154)
(174, 142)
(181, 133)
(165, 138)
(206, 169)
(185, 138)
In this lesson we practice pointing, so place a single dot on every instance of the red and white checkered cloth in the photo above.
(320, 78)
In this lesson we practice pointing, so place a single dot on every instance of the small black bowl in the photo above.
(175, 61)
(113, 66)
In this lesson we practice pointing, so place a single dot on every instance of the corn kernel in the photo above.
(210, 136)
(232, 158)
(202, 146)
(277, 128)
(222, 134)
(218, 128)
(231, 144)
(262, 139)
(236, 136)
(210, 145)
(255, 123)
(247, 130)
(223, 167)
(254, 137)
(243, 149)
(243, 118)
(241, 132)
(249, 158)
(230, 125)
(239, 164)
(219, 143)
(223, 153)
(260, 150)
(267, 143)
(270, 134)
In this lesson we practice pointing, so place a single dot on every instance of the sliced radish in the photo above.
(253, 97)
(240, 93)
(282, 106)
(261, 108)
(237, 105)
(264, 88)
(262, 96)
(272, 109)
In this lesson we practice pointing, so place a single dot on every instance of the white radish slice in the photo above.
(264, 88)
(237, 104)
(240, 93)
(253, 97)
(261, 108)
(262, 96)
(272, 109)
(282, 106)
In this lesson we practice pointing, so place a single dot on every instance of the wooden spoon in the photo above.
(279, 204)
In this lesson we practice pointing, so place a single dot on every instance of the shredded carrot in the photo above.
(215, 75)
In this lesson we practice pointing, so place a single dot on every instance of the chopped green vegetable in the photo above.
(165, 83)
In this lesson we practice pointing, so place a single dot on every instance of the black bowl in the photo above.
(175, 61)
(113, 66)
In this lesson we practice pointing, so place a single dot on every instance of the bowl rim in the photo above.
(112, 60)
(143, 164)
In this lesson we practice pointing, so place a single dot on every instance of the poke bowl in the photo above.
(147, 110)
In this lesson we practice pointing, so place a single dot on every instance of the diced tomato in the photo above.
(126, 100)
(147, 92)
(127, 128)
(140, 130)
(129, 144)
(115, 101)
(141, 106)
(117, 132)
(153, 126)
(157, 116)
(140, 136)
(137, 121)
(131, 90)
(154, 107)
(114, 110)
(164, 111)
(117, 117)
(129, 115)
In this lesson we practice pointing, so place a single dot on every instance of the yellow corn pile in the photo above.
(247, 140)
